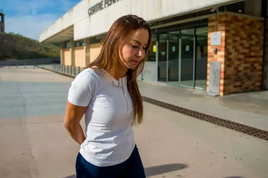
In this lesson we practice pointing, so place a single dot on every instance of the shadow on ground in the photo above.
(73, 176)
(234, 177)
(156, 170)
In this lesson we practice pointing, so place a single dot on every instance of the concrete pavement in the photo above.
(247, 108)
(33, 142)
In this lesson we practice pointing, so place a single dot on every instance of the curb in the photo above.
(249, 130)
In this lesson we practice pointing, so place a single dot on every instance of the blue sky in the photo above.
(31, 17)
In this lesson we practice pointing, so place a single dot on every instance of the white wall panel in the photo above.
(100, 22)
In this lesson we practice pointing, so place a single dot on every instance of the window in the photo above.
(67, 45)
(79, 43)
(97, 39)
(187, 31)
(151, 55)
(94, 40)
(237, 7)
(1, 18)
(203, 31)
(267, 9)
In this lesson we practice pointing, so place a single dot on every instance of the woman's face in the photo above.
(133, 50)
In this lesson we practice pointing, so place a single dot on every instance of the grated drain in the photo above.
(262, 134)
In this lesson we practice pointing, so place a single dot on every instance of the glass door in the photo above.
(187, 60)
(201, 57)
(162, 57)
(182, 57)
(173, 58)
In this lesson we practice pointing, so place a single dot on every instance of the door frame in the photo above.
(196, 87)
(267, 76)
(194, 52)
(167, 32)
(157, 57)
(168, 49)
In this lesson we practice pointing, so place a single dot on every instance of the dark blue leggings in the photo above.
(131, 168)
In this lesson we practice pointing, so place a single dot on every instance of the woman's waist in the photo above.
(107, 155)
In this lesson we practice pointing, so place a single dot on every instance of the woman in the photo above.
(108, 94)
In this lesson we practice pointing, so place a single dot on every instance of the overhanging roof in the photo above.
(77, 24)
(61, 36)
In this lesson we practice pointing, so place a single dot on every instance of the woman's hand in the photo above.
(72, 119)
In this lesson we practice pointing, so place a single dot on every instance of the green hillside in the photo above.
(15, 46)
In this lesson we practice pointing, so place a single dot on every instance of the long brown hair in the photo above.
(121, 30)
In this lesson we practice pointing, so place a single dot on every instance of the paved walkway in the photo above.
(249, 108)
(34, 144)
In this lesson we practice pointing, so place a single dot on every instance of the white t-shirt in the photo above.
(109, 135)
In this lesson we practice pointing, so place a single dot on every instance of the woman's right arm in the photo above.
(72, 119)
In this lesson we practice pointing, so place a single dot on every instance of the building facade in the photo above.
(215, 45)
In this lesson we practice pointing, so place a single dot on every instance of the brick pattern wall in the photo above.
(241, 53)
(244, 54)
(220, 56)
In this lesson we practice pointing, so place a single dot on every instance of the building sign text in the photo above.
(101, 5)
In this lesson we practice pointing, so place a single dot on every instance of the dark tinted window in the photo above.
(79, 43)
(237, 7)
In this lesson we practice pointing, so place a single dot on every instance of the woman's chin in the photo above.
(132, 67)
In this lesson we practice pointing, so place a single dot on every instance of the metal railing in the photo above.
(19, 65)
(67, 69)
(64, 69)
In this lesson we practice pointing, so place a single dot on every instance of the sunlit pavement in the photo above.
(34, 143)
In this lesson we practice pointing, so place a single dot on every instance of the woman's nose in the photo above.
(141, 53)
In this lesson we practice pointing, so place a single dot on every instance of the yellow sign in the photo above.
(154, 48)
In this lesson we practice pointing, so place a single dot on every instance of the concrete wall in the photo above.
(94, 51)
(150, 71)
(79, 54)
(100, 22)
(150, 10)
(67, 56)
(72, 54)
(62, 61)
(87, 51)
(73, 16)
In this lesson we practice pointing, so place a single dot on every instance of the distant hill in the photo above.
(16, 46)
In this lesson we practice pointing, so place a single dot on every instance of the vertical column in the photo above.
(266, 75)
(62, 61)
(87, 51)
(157, 57)
(167, 61)
(217, 24)
(265, 82)
(72, 48)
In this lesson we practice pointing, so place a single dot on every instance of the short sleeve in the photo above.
(82, 89)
